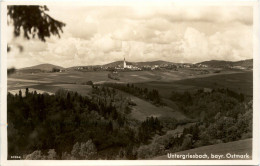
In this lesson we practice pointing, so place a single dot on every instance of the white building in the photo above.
(127, 66)
(131, 67)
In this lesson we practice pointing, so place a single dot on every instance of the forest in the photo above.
(222, 116)
(68, 125)
(148, 95)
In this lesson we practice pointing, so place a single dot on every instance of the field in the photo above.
(239, 82)
(240, 147)
(124, 77)
(164, 81)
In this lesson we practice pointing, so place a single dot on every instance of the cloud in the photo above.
(105, 43)
(102, 34)
(214, 14)
(230, 45)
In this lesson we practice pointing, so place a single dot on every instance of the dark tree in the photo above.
(33, 20)
(11, 71)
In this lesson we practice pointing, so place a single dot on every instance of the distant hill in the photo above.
(219, 63)
(115, 64)
(244, 63)
(151, 63)
(42, 67)
(138, 64)
(213, 63)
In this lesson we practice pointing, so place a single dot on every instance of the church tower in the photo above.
(124, 65)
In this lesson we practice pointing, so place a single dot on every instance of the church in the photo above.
(130, 67)
(125, 66)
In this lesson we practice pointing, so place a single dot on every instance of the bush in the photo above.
(51, 154)
(187, 142)
(55, 70)
(89, 83)
(38, 155)
(84, 150)
(150, 151)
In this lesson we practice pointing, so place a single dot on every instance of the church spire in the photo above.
(124, 64)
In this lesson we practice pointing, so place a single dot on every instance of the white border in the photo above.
(256, 77)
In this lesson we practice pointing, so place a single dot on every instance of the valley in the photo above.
(189, 100)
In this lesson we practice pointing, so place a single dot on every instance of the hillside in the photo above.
(219, 63)
(115, 64)
(41, 67)
(213, 63)
(240, 147)
(244, 63)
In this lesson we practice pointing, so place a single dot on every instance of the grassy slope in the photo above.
(240, 147)
(145, 109)
(239, 82)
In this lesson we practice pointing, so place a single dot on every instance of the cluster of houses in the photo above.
(129, 67)
(124, 66)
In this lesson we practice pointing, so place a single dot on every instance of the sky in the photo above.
(96, 35)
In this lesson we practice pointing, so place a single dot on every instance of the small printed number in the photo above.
(15, 157)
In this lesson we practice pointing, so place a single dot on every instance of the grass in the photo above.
(239, 82)
(145, 109)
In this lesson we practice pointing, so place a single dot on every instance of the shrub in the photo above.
(36, 155)
(84, 150)
(89, 83)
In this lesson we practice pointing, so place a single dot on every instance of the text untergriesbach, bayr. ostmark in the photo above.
(206, 156)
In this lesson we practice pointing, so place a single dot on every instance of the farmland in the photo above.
(164, 82)
(155, 79)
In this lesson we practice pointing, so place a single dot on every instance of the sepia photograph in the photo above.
(138, 81)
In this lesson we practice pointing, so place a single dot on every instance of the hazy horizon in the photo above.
(129, 62)
(96, 35)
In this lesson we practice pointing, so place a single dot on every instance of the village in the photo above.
(130, 66)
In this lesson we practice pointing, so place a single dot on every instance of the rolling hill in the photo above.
(220, 63)
(42, 67)
(244, 63)
(213, 63)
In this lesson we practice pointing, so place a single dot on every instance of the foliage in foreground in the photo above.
(64, 121)
(70, 126)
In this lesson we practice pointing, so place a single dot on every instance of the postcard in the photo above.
(130, 82)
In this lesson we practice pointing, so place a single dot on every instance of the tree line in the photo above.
(152, 96)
